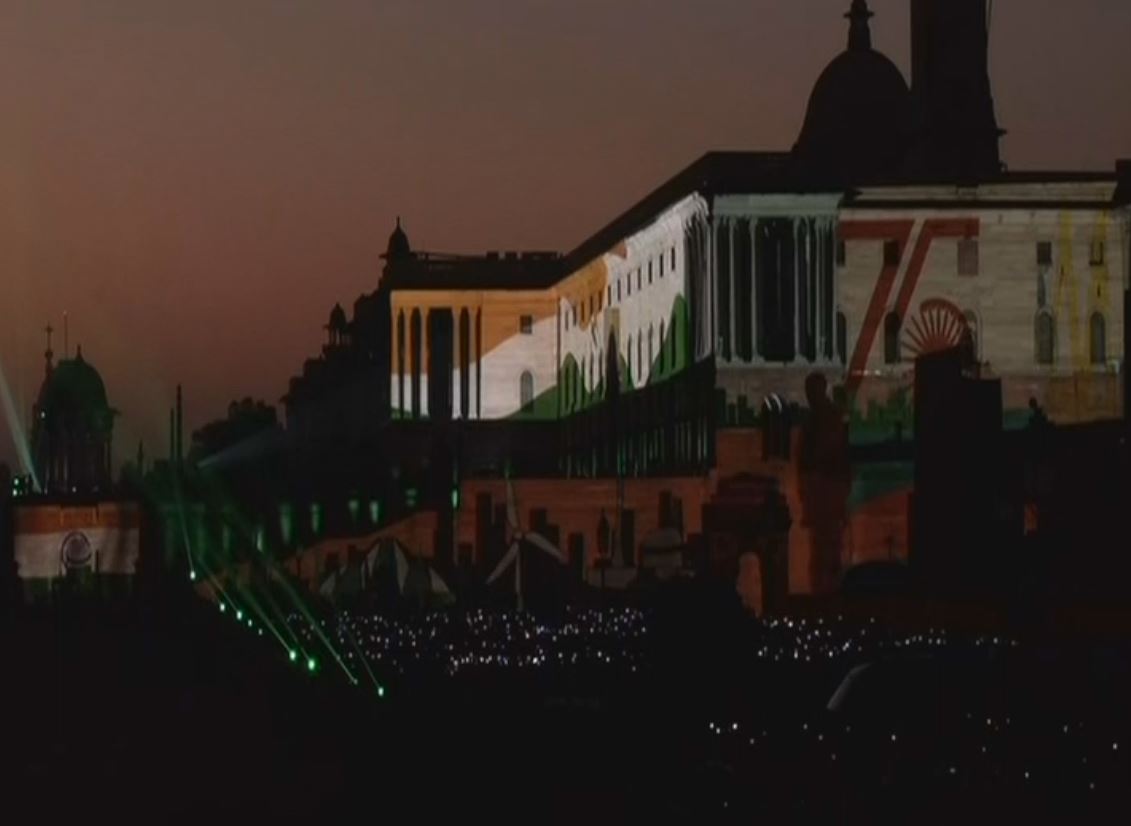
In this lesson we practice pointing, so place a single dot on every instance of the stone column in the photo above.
(754, 355)
(796, 293)
(834, 299)
(713, 282)
(457, 363)
(732, 290)
(819, 339)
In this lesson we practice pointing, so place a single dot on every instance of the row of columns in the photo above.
(815, 237)
(412, 344)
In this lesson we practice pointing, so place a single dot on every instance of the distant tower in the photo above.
(955, 131)
(398, 247)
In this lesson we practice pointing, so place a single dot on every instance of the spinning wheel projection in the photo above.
(939, 326)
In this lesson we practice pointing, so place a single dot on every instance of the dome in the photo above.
(398, 244)
(857, 121)
(337, 318)
(74, 392)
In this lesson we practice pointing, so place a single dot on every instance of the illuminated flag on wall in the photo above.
(52, 541)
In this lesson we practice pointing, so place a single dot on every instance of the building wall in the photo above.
(499, 352)
(631, 296)
(901, 251)
(1003, 300)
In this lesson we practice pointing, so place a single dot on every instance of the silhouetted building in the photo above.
(72, 429)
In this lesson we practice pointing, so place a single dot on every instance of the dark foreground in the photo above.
(172, 713)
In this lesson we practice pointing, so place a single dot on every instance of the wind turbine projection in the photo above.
(519, 536)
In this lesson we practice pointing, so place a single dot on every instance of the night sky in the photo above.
(197, 183)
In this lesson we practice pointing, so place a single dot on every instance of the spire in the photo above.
(859, 30)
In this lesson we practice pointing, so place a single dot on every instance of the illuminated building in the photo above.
(72, 428)
(676, 342)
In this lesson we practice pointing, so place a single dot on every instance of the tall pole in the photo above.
(180, 447)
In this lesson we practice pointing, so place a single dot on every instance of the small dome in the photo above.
(857, 121)
(337, 319)
(75, 393)
(398, 244)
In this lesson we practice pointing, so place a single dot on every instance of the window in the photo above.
(663, 348)
(1097, 330)
(640, 358)
(1096, 254)
(526, 391)
(1046, 338)
(968, 256)
(628, 284)
(591, 306)
(651, 346)
(618, 290)
(639, 277)
(526, 325)
(841, 253)
(609, 295)
(673, 259)
(574, 315)
(892, 326)
(892, 253)
(1044, 253)
(565, 315)
(649, 272)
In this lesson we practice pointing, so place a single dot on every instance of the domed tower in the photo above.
(398, 248)
(857, 123)
(73, 428)
(337, 329)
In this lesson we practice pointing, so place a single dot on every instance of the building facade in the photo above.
(682, 335)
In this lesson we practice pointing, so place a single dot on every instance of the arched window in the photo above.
(1046, 338)
(628, 363)
(663, 348)
(892, 326)
(1097, 329)
(842, 337)
(526, 391)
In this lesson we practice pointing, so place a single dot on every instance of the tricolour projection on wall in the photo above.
(53, 542)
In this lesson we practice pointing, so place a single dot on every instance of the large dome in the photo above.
(857, 122)
(75, 393)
